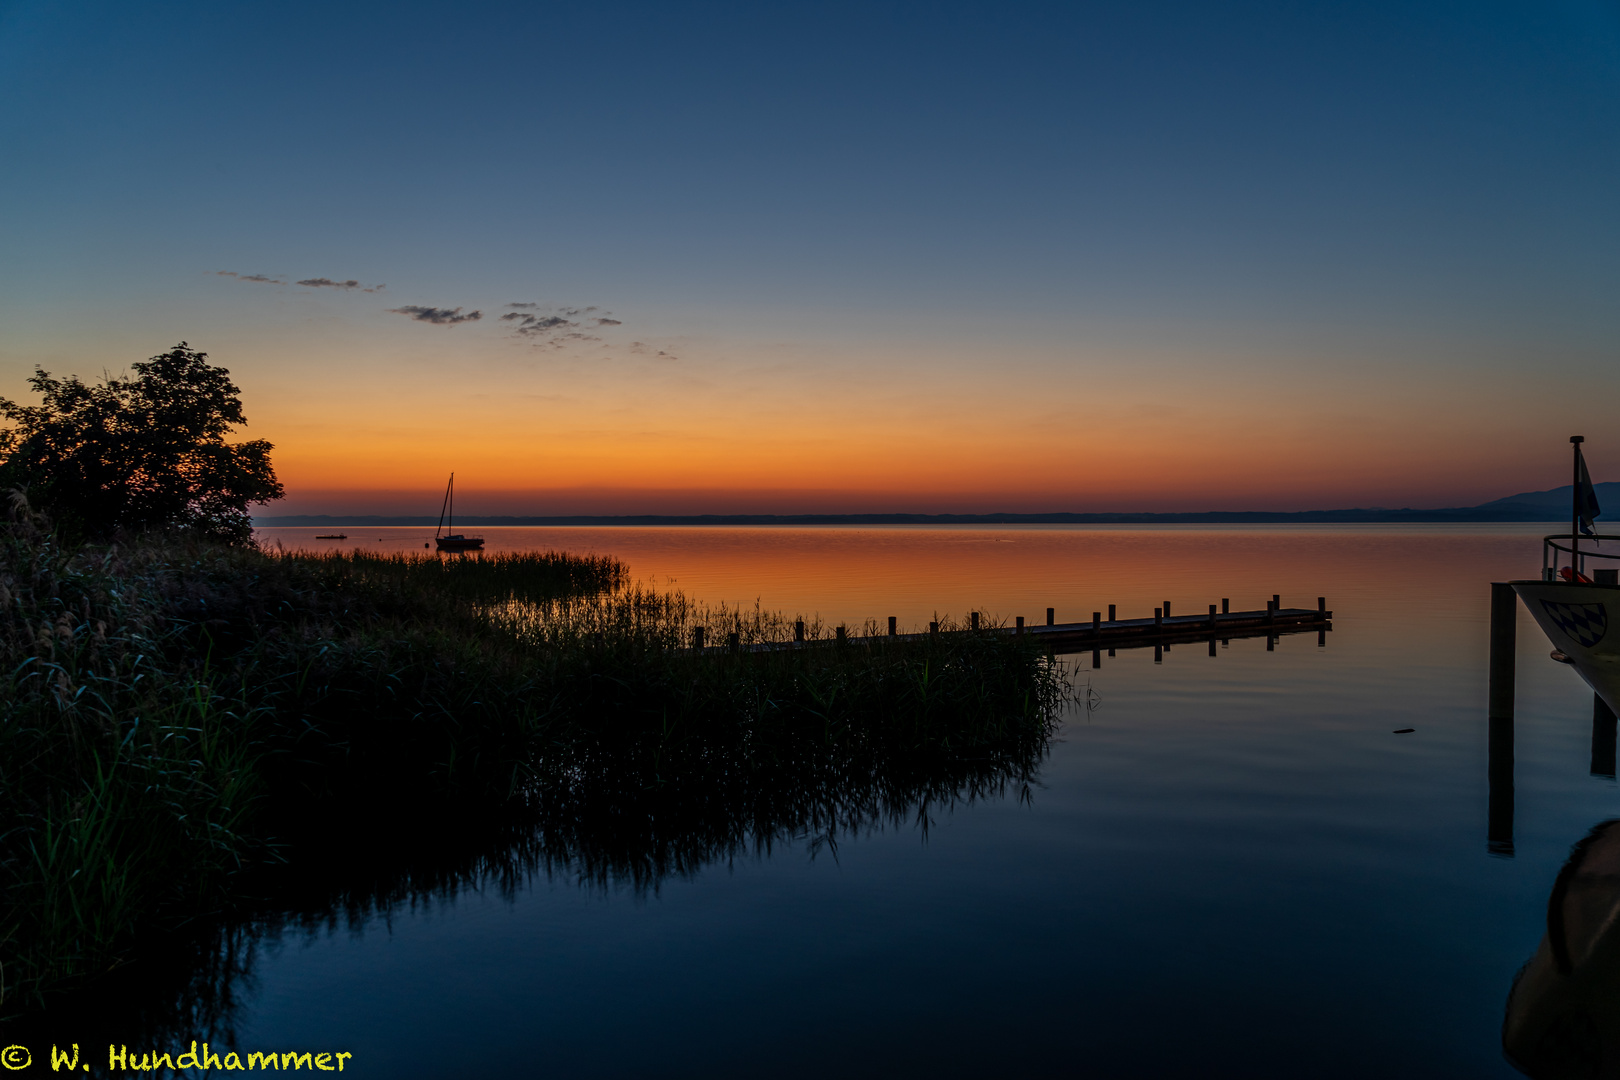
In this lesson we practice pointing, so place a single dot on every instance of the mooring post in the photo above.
(1051, 617)
(1212, 616)
(1226, 605)
(1020, 628)
(798, 629)
(973, 618)
(1504, 616)
(1602, 738)
(1158, 617)
(1111, 616)
(1276, 602)
(1321, 607)
(893, 629)
(1096, 622)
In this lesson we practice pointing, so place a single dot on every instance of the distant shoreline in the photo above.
(1217, 517)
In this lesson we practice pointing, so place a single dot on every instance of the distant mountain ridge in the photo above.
(1549, 506)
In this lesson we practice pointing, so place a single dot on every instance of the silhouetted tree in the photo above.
(141, 453)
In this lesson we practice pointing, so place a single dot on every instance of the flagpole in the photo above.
(1575, 509)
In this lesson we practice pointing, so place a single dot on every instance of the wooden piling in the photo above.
(973, 619)
(1226, 605)
(841, 635)
(1051, 617)
(1019, 628)
(1111, 616)
(798, 629)
(1166, 604)
(1096, 622)
(1158, 617)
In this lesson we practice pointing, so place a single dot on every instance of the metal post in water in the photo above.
(1504, 615)
(1602, 738)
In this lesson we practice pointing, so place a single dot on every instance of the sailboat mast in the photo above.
(442, 507)
(452, 504)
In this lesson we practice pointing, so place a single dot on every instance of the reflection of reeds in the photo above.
(179, 714)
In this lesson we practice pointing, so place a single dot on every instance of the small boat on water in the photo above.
(452, 540)
(1574, 610)
(332, 536)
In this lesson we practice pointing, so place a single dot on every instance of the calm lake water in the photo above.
(1231, 866)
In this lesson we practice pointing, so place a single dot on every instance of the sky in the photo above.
(728, 258)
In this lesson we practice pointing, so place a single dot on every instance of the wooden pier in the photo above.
(1097, 633)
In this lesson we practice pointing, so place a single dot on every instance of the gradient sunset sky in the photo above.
(673, 258)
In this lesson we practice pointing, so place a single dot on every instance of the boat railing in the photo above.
(1550, 547)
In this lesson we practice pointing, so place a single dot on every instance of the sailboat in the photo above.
(452, 540)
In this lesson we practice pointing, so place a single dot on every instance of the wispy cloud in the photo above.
(328, 283)
(557, 326)
(260, 278)
(437, 316)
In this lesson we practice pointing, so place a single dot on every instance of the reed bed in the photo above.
(184, 720)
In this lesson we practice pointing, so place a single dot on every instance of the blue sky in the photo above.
(1387, 227)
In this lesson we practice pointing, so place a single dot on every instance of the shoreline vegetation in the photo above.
(219, 740)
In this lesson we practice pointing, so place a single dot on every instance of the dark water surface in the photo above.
(1230, 867)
